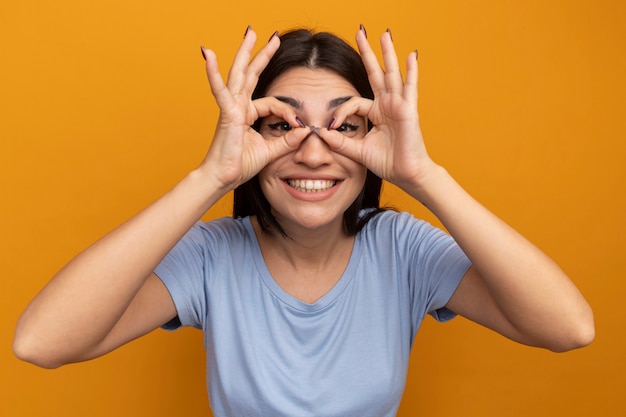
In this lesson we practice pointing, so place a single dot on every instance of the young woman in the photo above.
(311, 295)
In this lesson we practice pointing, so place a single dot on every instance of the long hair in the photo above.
(323, 50)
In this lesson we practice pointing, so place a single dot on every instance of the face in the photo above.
(312, 186)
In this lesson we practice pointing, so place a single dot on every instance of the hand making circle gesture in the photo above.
(238, 152)
(393, 149)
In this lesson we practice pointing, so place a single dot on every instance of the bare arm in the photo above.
(108, 294)
(512, 287)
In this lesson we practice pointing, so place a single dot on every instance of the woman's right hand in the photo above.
(109, 294)
(237, 151)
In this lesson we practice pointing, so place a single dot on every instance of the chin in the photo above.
(310, 221)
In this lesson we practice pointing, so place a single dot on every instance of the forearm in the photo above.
(80, 306)
(532, 292)
(495, 248)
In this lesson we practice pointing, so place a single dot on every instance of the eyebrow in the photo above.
(291, 101)
(336, 102)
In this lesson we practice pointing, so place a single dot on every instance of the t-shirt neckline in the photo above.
(271, 284)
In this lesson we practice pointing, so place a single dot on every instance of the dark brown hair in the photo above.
(305, 48)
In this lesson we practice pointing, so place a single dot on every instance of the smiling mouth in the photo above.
(311, 186)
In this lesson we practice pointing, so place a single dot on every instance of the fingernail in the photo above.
(272, 37)
(364, 31)
(247, 30)
(330, 125)
(300, 122)
(389, 32)
(415, 54)
(315, 129)
(203, 52)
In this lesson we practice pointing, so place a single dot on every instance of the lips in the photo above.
(310, 185)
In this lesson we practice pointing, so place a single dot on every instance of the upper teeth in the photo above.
(311, 185)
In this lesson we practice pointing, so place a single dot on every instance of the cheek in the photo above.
(359, 171)
(359, 175)
(363, 177)
(269, 180)
(265, 177)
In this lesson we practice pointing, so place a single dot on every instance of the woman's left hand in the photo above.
(512, 287)
(394, 148)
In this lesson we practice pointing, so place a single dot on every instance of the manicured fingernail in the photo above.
(300, 122)
(272, 37)
(364, 31)
(247, 30)
(389, 32)
(203, 52)
(330, 125)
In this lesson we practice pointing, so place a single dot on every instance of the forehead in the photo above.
(301, 82)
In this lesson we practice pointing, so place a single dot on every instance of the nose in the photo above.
(313, 151)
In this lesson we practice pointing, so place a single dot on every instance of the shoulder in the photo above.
(225, 227)
(210, 237)
(401, 232)
(391, 221)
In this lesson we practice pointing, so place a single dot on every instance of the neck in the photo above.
(306, 248)
(308, 263)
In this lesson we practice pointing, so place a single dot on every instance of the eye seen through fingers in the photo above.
(353, 126)
(347, 128)
(277, 128)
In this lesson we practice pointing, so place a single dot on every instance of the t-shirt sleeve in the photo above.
(183, 272)
(436, 266)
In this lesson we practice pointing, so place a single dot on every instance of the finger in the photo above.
(267, 106)
(393, 76)
(372, 66)
(218, 88)
(260, 61)
(343, 145)
(412, 72)
(359, 106)
(237, 73)
(287, 143)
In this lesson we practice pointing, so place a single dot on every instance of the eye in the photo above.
(281, 126)
(347, 127)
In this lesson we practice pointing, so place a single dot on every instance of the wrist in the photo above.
(214, 177)
(204, 187)
(430, 185)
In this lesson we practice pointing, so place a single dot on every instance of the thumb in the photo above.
(287, 143)
(342, 144)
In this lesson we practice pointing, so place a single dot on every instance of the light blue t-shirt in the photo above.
(270, 354)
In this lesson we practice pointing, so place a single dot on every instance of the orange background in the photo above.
(104, 106)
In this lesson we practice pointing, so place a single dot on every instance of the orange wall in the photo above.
(104, 106)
